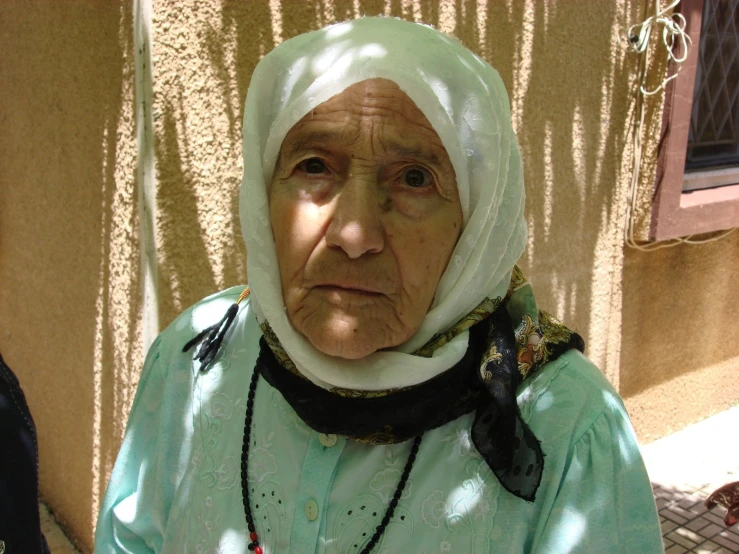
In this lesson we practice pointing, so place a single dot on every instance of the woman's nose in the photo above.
(355, 226)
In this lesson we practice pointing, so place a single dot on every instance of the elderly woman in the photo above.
(387, 383)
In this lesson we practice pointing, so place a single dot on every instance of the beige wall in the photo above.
(680, 340)
(659, 324)
(69, 290)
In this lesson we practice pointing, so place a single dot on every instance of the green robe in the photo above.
(176, 486)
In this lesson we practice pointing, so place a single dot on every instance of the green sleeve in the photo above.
(604, 502)
(134, 508)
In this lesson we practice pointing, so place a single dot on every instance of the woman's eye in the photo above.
(415, 178)
(313, 166)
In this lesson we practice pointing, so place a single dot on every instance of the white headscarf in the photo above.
(466, 103)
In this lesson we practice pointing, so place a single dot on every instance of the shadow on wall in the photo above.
(570, 93)
(69, 250)
(571, 86)
(177, 220)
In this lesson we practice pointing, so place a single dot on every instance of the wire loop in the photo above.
(639, 36)
(673, 32)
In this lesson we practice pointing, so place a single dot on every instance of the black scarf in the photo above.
(510, 340)
(484, 380)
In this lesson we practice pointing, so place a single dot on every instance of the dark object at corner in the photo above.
(20, 525)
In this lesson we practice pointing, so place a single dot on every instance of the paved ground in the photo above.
(684, 468)
(58, 541)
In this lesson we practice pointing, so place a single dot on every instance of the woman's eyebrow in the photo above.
(312, 139)
(327, 139)
(414, 153)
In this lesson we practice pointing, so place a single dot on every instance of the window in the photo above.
(697, 187)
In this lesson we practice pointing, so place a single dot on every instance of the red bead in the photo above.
(258, 550)
(253, 537)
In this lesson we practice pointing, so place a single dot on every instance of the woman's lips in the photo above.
(357, 289)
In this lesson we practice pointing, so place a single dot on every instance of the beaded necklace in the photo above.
(253, 537)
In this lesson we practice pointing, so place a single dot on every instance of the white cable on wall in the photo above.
(639, 36)
(146, 172)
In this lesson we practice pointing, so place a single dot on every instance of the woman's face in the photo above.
(365, 213)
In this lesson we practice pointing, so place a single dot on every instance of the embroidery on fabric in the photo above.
(269, 508)
(385, 481)
(207, 543)
(358, 518)
(466, 513)
(270, 511)
(224, 475)
(460, 440)
(434, 509)
(216, 475)
(262, 463)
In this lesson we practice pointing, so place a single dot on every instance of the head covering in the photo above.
(466, 103)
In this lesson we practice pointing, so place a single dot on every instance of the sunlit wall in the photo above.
(69, 292)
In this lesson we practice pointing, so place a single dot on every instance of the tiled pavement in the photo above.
(688, 527)
(684, 467)
(58, 541)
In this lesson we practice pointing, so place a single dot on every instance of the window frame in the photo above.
(676, 213)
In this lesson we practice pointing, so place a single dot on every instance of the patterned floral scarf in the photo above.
(510, 340)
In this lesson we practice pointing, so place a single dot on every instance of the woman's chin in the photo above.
(346, 347)
(350, 342)
(353, 336)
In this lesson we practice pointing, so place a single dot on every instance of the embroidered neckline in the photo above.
(254, 545)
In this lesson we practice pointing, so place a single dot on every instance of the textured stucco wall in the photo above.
(658, 324)
(69, 292)
(680, 341)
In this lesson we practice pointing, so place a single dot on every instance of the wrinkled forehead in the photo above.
(376, 106)
(459, 94)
